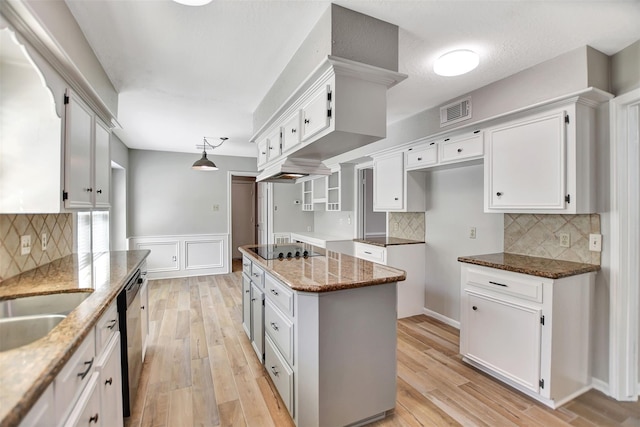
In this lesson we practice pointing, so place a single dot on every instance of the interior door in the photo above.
(243, 210)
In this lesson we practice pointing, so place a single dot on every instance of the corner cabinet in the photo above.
(543, 163)
(395, 189)
(87, 171)
(531, 332)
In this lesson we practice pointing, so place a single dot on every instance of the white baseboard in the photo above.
(442, 318)
(601, 386)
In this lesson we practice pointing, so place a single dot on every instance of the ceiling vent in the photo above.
(455, 112)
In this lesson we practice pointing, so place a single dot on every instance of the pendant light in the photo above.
(204, 164)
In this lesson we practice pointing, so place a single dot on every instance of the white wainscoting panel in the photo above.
(184, 255)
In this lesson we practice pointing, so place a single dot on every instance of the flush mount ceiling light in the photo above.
(456, 62)
(205, 164)
(193, 2)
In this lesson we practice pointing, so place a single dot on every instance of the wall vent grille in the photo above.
(455, 112)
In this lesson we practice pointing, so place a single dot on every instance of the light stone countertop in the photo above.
(326, 273)
(27, 371)
(534, 266)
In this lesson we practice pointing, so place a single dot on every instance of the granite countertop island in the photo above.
(326, 273)
(534, 266)
(27, 371)
(388, 241)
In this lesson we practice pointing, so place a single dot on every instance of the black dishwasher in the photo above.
(130, 340)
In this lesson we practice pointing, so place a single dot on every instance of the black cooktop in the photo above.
(288, 251)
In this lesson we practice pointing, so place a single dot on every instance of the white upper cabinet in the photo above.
(291, 132)
(263, 147)
(87, 172)
(542, 163)
(466, 147)
(273, 144)
(388, 183)
(316, 114)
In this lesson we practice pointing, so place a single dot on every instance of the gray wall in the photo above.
(456, 203)
(167, 197)
(339, 224)
(119, 152)
(625, 69)
(288, 216)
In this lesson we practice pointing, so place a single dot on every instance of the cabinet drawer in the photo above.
(74, 376)
(518, 285)
(371, 253)
(421, 156)
(279, 294)
(106, 327)
(280, 330)
(280, 373)
(257, 275)
(246, 266)
(462, 149)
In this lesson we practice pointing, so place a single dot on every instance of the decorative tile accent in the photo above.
(59, 229)
(539, 235)
(411, 225)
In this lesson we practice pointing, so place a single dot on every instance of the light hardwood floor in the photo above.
(201, 370)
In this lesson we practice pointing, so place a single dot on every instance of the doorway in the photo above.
(243, 216)
(370, 223)
(118, 225)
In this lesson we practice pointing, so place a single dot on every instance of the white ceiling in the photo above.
(187, 72)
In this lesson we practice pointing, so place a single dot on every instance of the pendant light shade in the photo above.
(204, 164)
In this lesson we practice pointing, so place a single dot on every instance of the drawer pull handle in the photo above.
(142, 308)
(274, 371)
(274, 292)
(246, 265)
(459, 150)
(274, 326)
(474, 308)
(84, 374)
(109, 381)
(499, 284)
(306, 121)
(293, 130)
(498, 194)
(247, 291)
(94, 419)
(395, 198)
(368, 253)
(419, 159)
(112, 323)
(99, 191)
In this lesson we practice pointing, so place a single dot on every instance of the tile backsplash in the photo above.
(406, 225)
(539, 235)
(59, 229)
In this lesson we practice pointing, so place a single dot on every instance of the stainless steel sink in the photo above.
(42, 304)
(18, 331)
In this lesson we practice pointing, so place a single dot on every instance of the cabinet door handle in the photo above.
(112, 323)
(247, 291)
(256, 274)
(109, 381)
(274, 292)
(142, 308)
(459, 150)
(253, 299)
(99, 191)
(274, 371)
(293, 130)
(274, 326)
(84, 374)
(474, 308)
(499, 284)
(498, 194)
(395, 198)
(246, 265)
(419, 159)
(94, 419)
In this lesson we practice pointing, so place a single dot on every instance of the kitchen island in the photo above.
(324, 325)
(28, 371)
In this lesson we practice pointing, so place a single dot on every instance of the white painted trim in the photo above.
(181, 243)
(357, 191)
(444, 319)
(601, 386)
(625, 250)
(230, 175)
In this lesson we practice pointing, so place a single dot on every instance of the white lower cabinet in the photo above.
(253, 305)
(531, 332)
(86, 411)
(42, 412)
(110, 383)
(246, 304)
(257, 321)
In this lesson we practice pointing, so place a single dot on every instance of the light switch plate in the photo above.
(25, 244)
(472, 233)
(595, 242)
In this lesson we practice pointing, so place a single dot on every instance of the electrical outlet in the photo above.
(565, 240)
(472, 233)
(216, 208)
(349, 219)
(25, 244)
(595, 242)
(308, 228)
(44, 240)
(395, 226)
